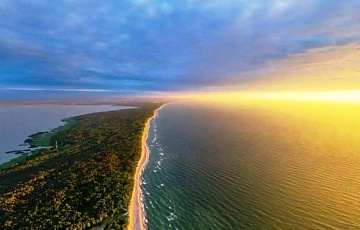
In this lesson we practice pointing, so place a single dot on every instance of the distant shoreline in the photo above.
(95, 101)
(40, 135)
(136, 215)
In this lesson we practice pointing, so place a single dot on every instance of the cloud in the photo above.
(326, 68)
(60, 90)
(155, 45)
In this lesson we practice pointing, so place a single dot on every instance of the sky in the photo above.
(153, 47)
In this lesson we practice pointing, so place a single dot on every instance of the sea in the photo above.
(253, 165)
(18, 122)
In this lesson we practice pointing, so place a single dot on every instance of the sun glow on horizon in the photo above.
(343, 96)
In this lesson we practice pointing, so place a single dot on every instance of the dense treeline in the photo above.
(87, 181)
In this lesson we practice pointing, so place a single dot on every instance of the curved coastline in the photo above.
(52, 116)
(110, 128)
(136, 215)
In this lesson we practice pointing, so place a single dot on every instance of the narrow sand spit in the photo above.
(136, 215)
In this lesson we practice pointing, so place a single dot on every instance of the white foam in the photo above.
(171, 217)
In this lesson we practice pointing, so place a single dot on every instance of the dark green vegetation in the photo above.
(19, 160)
(40, 139)
(86, 182)
(45, 138)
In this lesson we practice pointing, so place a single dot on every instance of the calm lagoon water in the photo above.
(253, 166)
(18, 122)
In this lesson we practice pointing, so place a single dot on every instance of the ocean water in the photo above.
(18, 122)
(253, 166)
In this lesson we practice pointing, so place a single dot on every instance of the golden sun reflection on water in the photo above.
(319, 141)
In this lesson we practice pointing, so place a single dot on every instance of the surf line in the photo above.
(136, 211)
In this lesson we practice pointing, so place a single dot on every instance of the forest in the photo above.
(84, 183)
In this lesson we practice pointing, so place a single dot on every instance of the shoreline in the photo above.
(136, 215)
(111, 127)
(38, 132)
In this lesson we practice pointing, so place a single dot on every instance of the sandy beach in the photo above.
(136, 215)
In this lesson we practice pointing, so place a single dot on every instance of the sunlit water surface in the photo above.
(260, 165)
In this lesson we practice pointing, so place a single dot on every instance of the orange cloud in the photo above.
(321, 69)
